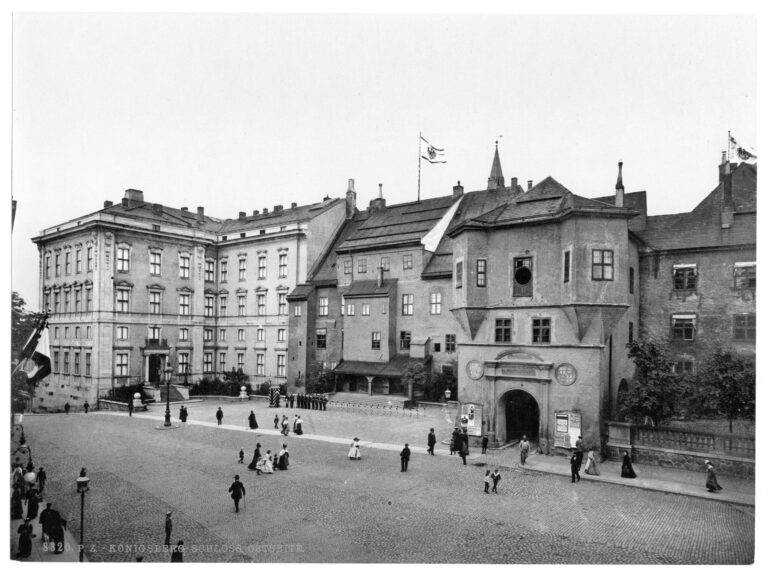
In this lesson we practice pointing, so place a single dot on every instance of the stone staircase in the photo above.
(177, 395)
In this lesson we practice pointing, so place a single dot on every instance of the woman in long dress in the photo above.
(712, 485)
(299, 424)
(354, 450)
(626, 467)
(266, 463)
(256, 457)
(33, 503)
(25, 539)
(252, 424)
(592, 464)
(282, 458)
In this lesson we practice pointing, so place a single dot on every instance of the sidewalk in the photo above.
(71, 546)
(739, 491)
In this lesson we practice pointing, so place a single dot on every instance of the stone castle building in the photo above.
(527, 297)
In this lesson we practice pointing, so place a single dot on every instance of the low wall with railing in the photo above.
(684, 449)
(112, 406)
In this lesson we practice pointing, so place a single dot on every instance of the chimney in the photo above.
(351, 198)
(458, 190)
(378, 203)
(513, 183)
(200, 214)
(530, 184)
(278, 208)
(726, 212)
(184, 209)
(126, 202)
(293, 205)
(380, 277)
(157, 209)
(241, 216)
(107, 203)
(265, 211)
(620, 189)
(134, 197)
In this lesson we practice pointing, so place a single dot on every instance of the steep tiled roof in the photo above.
(362, 288)
(149, 212)
(301, 292)
(276, 218)
(324, 271)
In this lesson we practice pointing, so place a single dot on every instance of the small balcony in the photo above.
(156, 342)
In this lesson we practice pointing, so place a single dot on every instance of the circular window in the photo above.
(523, 275)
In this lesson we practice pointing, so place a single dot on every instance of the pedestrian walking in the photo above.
(283, 458)
(354, 449)
(168, 528)
(17, 506)
(524, 449)
(53, 526)
(130, 406)
(487, 480)
(591, 467)
(241, 454)
(463, 453)
(575, 477)
(237, 492)
(219, 416)
(25, 539)
(86, 406)
(33, 503)
(580, 451)
(495, 477)
(431, 441)
(325, 401)
(255, 461)
(299, 426)
(405, 455)
(295, 419)
(41, 478)
(626, 467)
(465, 441)
(252, 424)
(45, 521)
(485, 443)
(183, 413)
(284, 425)
(287, 402)
(265, 465)
(276, 421)
(712, 485)
(177, 553)
(66, 408)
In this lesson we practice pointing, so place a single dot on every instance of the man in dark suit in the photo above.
(168, 528)
(405, 455)
(237, 491)
(219, 416)
(431, 441)
(579, 451)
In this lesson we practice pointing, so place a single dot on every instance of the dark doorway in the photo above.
(522, 413)
(155, 368)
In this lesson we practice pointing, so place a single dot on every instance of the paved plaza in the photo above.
(327, 508)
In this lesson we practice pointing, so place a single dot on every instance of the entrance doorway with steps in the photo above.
(522, 416)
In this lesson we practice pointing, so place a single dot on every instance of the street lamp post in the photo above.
(168, 372)
(82, 488)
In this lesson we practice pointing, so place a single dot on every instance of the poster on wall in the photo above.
(567, 429)
(472, 419)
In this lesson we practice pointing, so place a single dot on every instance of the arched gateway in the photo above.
(522, 415)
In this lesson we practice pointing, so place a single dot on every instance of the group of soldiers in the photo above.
(309, 401)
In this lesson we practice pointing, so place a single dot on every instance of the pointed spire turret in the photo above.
(496, 179)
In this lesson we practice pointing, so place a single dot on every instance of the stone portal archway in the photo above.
(522, 415)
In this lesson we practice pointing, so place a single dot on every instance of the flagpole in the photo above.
(32, 342)
(418, 190)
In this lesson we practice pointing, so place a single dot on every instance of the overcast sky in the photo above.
(241, 112)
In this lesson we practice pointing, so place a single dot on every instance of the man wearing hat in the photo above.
(237, 491)
(168, 528)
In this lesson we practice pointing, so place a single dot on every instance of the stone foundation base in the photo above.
(694, 461)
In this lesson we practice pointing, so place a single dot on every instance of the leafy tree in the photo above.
(437, 384)
(656, 388)
(414, 376)
(730, 382)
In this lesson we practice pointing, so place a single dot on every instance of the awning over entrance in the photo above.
(392, 369)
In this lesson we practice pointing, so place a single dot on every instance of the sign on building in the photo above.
(567, 429)
(472, 419)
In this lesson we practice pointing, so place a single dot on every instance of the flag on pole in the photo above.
(432, 154)
(38, 350)
(739, 153)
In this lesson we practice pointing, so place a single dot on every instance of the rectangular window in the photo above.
(385, 263)
(262, 267)
(222, 271)
(482, 276)
(240, 361)
(366, 309)
(260, 364)
(322, 306)
(210, 266)
(66, 332)
(241, 334)
(261, 304)
(222, 361)
(222, 334)
(362, 265)
(281, 334)
(503, 330)
(684, 367)
(66, 301)
(407, 304)
(450, 342)
(184, 265)
(541, 330)
(56, 362)
(744, 326)
(184, 304)
(522, 280)
(47, 266)
(321, 336)
(436, 347)
(241, 304)
(347, 266)
(47, 302)
(684, 277)
(297, 310)
(208, 362)
(184, 334)
(241, 269)
(121, 364)
(631, 280)
(459, 279)
(684, 327)
(77, 332)
(745, 275)
(78, 261)
(208, 334)
(282, 266)
(260, 334)
(209, 304)
(281, 365)
(153, 333)
(183, 366)
(123, 300)
(67, 264)
(154, 302)
(57, 265)
(88, 332)
(282, 303)
(89, 258)
(631, 332)
(56, 302)
(76, 364)
(123, 259)
(435, 303)
(154, 263)
(350, 309)
(375, 340)
(78, 299)
(88, 299)
(602, 264)
(407, 261)
(566, 266)
(405, 340)
(222, 305)
(87, 364)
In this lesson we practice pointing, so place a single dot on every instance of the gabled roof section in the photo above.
(300, 213)
(323, 273)
(148, 212)
(362, 288)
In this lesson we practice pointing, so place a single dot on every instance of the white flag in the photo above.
(432, 154)
(739, 153)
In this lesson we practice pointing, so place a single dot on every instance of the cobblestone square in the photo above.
(327, 508)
